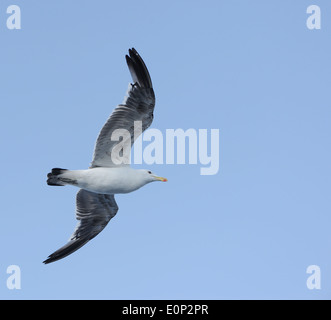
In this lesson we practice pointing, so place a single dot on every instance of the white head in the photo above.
(149, 176)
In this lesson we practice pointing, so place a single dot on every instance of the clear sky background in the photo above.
(249, 68)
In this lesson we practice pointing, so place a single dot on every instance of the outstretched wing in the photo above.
(93, 212)
(137, 106)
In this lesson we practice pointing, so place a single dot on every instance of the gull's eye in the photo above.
(149, 172)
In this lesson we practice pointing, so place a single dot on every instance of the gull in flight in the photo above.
(107, 175)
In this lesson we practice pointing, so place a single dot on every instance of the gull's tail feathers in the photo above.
(54, 177)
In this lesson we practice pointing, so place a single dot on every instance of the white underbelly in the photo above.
(107, 180)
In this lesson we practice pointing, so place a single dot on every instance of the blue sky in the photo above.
(251, 69)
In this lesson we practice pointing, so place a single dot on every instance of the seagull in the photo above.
(107, 176)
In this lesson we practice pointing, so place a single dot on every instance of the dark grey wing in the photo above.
(137, 106)
(93, 212)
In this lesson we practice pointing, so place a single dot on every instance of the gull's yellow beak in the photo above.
(161, 179)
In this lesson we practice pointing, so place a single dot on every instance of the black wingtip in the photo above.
(51, 258)
(138, 69)
(47, 261)
(69, 248)
(132, 51)
(128, 61)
